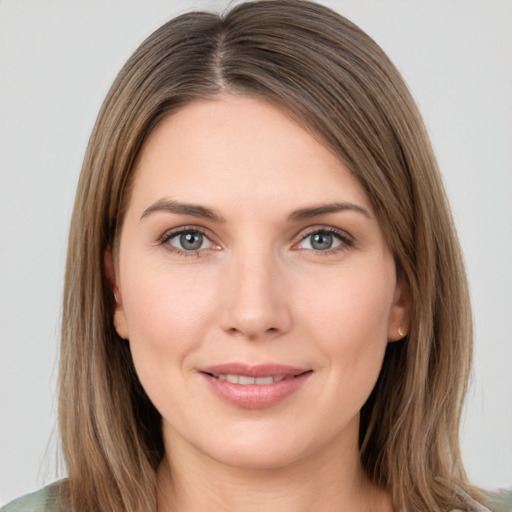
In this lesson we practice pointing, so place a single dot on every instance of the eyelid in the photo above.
(346, 239)
(173, 232)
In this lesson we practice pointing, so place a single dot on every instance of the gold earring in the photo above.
(400, 332)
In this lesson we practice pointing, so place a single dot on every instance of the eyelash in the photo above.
(346, 241)
(168, 235)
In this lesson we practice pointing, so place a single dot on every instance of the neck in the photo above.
(327, 481)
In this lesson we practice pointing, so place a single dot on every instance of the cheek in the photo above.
(353, 305)
(349, 320)
(167, 314)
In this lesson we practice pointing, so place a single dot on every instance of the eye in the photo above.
(187, 240)
(324, 240)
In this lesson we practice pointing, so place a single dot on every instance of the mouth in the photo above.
(246, 380)
(255, 387)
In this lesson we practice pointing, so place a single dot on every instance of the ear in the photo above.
(399, 318)
(119, 314)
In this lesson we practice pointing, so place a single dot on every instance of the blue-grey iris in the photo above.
(321, 241)
(191, 241)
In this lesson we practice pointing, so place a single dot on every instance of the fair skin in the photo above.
(261, 281)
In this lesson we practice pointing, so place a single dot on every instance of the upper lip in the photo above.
(258, 370)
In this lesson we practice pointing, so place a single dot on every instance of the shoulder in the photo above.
(44, 500)
(491, 501)
(500, 501)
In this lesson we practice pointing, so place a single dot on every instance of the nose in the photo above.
(256, 304)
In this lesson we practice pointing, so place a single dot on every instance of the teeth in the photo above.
(264, 380)
(245, 380)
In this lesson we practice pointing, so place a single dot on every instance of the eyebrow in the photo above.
(194, 210)
(316, 211)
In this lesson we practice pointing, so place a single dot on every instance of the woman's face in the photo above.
(254, 286)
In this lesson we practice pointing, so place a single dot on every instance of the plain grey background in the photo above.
(57, 60)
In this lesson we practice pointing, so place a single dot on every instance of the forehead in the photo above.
(243, 151)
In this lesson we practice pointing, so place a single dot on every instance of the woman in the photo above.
(265, 303)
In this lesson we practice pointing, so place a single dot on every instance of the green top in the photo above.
(501, 501)
(45, 501)
(39, 501)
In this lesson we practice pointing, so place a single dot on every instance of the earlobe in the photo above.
(399, 320)
(120, 322)
(119, 315)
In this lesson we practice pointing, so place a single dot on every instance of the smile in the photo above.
(254, 387)
(247, 380)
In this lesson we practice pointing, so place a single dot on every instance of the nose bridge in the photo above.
(256, 305)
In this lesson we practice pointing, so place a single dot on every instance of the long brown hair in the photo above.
(337, 82)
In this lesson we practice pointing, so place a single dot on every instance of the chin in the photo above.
(272, 448)
(259, 457)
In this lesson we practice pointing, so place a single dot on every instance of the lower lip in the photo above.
(256, 396)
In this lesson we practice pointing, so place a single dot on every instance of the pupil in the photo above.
(191, 241)
(321, 241)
